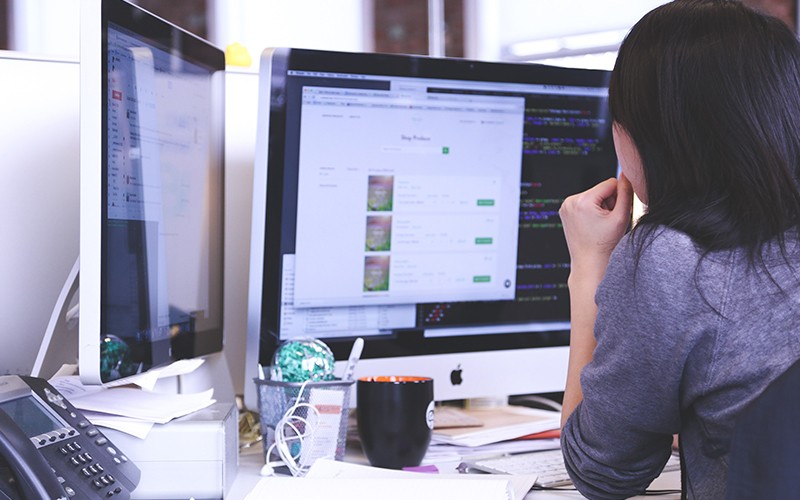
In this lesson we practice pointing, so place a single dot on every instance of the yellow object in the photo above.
(236, 54)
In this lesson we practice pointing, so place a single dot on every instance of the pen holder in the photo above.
(308, 419)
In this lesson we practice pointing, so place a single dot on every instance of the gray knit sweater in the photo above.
(683, 344)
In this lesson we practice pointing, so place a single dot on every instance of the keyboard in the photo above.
(547, 465)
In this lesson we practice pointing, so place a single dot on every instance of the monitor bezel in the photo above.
(95, 17)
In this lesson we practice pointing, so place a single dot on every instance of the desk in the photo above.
(251, 460)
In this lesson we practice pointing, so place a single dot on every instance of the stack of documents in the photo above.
(499, 424)
(504, 430)
(132, 409)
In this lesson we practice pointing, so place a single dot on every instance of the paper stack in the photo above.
(499, 424)
(133, 410)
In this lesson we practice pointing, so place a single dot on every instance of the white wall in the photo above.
(311, 24)
(50, 27)
(38, 199)
(491, 25)
(46, 27)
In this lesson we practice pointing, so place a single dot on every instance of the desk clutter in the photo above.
(301, 422)
(303, 407)
(438, 476)
(306, 423)
(136, 407)
(182, 443)
(467, 424)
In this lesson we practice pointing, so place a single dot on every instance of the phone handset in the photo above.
(34, 476)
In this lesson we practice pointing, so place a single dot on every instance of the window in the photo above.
(511, 30)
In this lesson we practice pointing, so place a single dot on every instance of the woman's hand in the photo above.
(594, 222)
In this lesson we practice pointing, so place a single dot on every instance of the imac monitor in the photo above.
(413, 202)
(151, 199)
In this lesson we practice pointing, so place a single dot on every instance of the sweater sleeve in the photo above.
(619, 437)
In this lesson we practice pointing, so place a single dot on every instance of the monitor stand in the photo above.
(60, 343)
(60, 347)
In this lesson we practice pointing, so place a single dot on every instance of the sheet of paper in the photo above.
(500, 424)
(372, 488)
(66, 369)
(70, 387)
(144, 405)
(148, 379)
(136, 428)
(516, 486)
(66, 380)
(438, 452)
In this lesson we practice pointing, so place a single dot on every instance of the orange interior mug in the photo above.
(395, 419)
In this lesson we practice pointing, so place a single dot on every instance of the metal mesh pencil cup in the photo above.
(327, 436)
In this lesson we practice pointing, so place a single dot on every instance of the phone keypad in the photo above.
(93, 471)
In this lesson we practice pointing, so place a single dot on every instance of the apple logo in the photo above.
(455, 376)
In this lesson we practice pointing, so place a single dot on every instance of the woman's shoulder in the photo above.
(661, 258)
(659, 245)
(663, 266)
(664, 246)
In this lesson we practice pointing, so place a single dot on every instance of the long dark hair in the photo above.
(709, 92)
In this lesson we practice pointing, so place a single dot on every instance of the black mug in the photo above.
(395, 419)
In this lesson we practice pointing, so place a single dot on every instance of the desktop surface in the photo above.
(252, 459)
(449, 465)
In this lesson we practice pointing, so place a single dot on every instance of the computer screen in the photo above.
(151, 201)
(413, 202)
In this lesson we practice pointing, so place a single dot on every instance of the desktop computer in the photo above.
(413, 202)
(151, 197)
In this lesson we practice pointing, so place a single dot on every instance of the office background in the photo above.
(39, 104)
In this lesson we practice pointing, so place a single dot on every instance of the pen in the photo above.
(355, 354)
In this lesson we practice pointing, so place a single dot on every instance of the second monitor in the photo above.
(414, 202)
(151, 199)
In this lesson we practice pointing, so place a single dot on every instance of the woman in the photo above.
(680, 323)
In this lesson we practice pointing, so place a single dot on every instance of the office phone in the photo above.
(49, 450)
